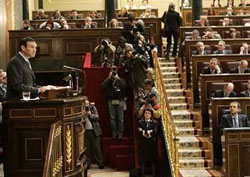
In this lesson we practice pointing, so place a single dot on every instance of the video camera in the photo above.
(104, 42)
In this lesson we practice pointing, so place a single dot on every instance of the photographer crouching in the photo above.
(105, 52)
(92, 134)
(115, 89)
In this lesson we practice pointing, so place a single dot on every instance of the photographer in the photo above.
(92, 134)
(151, 103)
(120, 51)
(105, 52)
(115, 89)
(130, 32)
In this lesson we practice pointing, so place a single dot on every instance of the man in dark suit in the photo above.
(226, 92)
(20, 75)
(222, 48)
(246, 93)
(213, 67)
(242, 68)
(234, 119)
(200, 49)
(92, 134)
(172, 23)
(88, 23)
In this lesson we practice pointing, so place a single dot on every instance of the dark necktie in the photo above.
(235, 122)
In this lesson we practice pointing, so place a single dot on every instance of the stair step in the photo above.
(191, 142)
(174, 92)
(121, 149)
(169, 69)
(198, 173)
(194, 153)
(178, 106)
(184, 123)
(170, 75)
(173, 86)
(179, 99)
(167, 64)
(108, 141)
(124, 162)
(171, 80)
(187, 131)
(181, 114)
(194, 163)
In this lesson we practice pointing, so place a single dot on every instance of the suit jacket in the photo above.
(207, 70)
(236, 70)
(220, 93)
(20, 78)
(227, 121)
(94, 119)
(196, 52)
(172, 21)
(126, 32)
(152, 126)
(220, 52)
(245, 93)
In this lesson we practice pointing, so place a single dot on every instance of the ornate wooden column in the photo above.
(40, 4)
(196, 10)
(110, 9)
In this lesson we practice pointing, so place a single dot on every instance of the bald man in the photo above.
(226, 92)
(242, 68)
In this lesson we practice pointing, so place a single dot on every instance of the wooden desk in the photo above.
(237, 152)
(190, 45)
(27, 127)
(217, 106)
(207, 82)
(198, 65)
(236, 19)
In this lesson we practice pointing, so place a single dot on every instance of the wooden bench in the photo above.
(236, 19)
(187, 13)
(200, 61)
(190, 45)
(210, 83)
(85, 13)
(79, 22)
(217, 106)
(244, 30)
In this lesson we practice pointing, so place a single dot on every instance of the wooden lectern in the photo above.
(44, 138)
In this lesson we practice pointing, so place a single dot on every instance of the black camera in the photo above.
(104, 43)
(87, 108)
(149, 101)
(114, 71)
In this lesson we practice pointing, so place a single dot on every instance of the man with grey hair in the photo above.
(200, 49)
(88, 23)
(222, 48)
(226, 92)
(213, 67)
(242, 68)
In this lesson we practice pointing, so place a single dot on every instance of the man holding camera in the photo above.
(105, 52)
(115, 89)
(92, 134)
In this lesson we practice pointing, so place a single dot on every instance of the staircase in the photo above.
(195, 151)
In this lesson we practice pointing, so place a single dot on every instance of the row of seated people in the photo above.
(215, 68)
(229, 12)
(232, 33)
(226, 21)
(64, 24)
(220, 48)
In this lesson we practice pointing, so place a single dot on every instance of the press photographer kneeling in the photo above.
(115, 89)
(152, 103)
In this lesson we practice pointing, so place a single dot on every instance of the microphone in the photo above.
(72, 68)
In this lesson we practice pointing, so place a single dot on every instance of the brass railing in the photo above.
(54, 159)
(169, 130)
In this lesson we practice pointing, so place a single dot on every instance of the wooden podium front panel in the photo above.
(27, 128)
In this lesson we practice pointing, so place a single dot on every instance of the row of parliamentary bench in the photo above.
(85, 13)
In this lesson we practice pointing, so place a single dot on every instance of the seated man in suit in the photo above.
(246, 93)
(234, 119)
(20, 74)
(74, 15)
(226, 92)
(213, 67)
(242, 68)
(226, 22)
(211, 34)
(88, 23)
(244, 49)
(200, 49)
(194, 36)
(222, 48)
